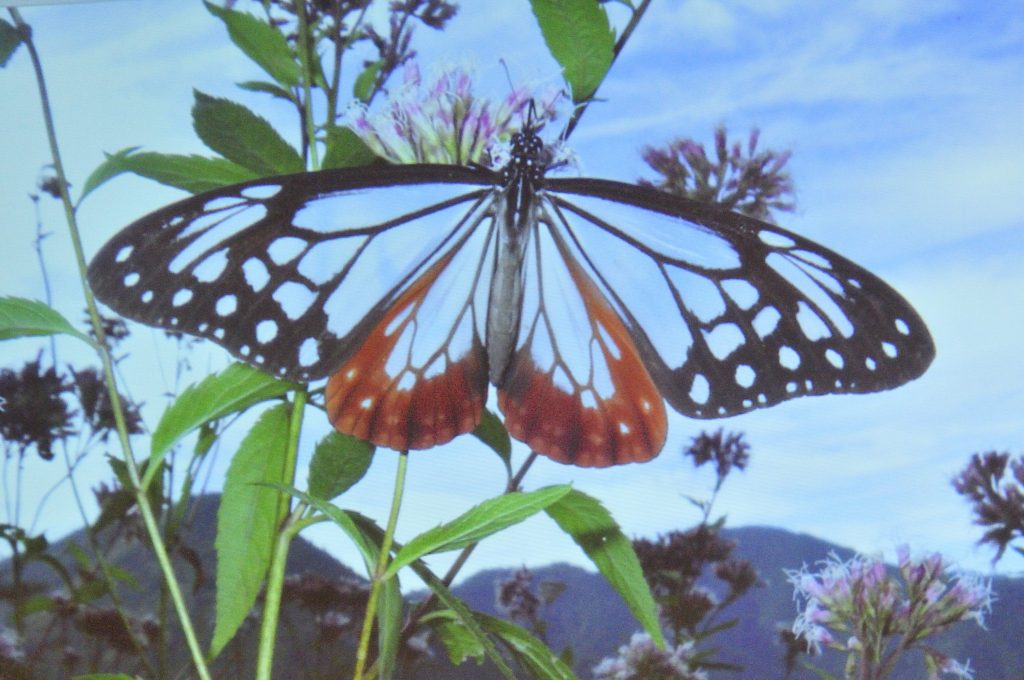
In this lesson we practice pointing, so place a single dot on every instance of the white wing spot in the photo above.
(700, 390)
(788, 358)
(256, 274)
(218, 333)
(623, 428)
(131, 279)
(810, 323)
(244, 350)
(902, 327)
(365, 404)
(834, 358)
(889, 349)
(309, 353)
(724, 339)
(181, 297)
(261, 192)
(743, 293)
(745, 375)
(227, 305)
(124, 253)
(870, 363)
(147, 297)
(295, 299)
(791, 387)
(285, 249)
(266, 331)
(766, 321)
(775, 240)
(210, 269)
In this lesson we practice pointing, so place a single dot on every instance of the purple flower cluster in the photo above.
(443, 122)
(861, 607)
(642, 660)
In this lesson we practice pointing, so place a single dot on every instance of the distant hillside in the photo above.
(588, 618)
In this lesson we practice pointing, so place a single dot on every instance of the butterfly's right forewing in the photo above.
(293, 273)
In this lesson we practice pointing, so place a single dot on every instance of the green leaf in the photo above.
(10, 38)
(339, 462)
(111, 167)
(345, 149)
(477, 523)
(530, 652)
(262, 42)
(272, 89)
(247, 521)
(593, 528)
(235, 389)
(365, 81)
(367, 536)
(580, 39)
(459, 642)
(192, 173)
(20, 317)
(463, 614)
(492, 432)
(239, 135)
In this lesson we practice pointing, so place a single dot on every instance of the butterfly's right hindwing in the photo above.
(291, 273)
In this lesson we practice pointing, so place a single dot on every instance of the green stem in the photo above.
(279, 556)
(149, 520)
(307, 77)
(382, 565)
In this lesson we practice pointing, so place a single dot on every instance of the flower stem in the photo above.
(382, 565)
(279, 556)
(141, 500)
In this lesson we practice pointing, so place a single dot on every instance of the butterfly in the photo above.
(588, 303)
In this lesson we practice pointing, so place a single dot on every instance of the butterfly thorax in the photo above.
(517, 200)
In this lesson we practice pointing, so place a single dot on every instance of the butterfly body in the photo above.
(587, 303)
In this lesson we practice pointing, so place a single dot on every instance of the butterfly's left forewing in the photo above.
(730, 313)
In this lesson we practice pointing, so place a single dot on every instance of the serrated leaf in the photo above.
(477, 523)
(272, 89)
(345, 149)
(363, 87)
(111, 167)
(235, 389)
(21, 317)
(241, 136)
(339, 462)
(192, 173)
(459, 642)
(491, 431)
(10, 39)
(247, 521)
(592, 527)
(580, 39)
(530, 652)
(262, 42)
(464, 615)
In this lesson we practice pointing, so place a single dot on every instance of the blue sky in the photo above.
(908, 157)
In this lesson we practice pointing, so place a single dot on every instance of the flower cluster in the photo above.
(998, 503)
(860, 607)
(728, 451)
(642, 660)
(443, 122)
(748, 181)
